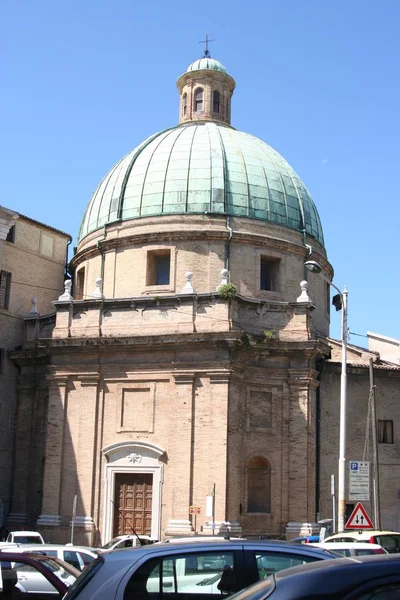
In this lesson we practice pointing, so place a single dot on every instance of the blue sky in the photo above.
(84, 81)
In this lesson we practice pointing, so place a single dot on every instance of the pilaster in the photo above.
(86, 455)
(181, 451)
(58, 393)
(23, 440)
(302, 446)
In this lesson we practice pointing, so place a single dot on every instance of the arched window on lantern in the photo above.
(216, 101)
(184, 103)
(258, 485)
(198, 100)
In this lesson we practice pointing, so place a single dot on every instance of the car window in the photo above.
(389, 592)
(211, 573)
(27, 539)
(86, 558)
(71, 557)
(271, 562)
(126, 544)
(391, 543)
(48, 552)
(31, 580)
(341, 551)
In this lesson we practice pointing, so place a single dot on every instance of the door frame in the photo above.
(132, 457)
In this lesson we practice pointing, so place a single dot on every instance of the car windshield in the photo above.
(111, 543)
(62, 569)
(27, 539)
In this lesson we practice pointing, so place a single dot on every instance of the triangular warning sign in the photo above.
(359, 519)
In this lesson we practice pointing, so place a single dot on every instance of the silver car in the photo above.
(201, 569)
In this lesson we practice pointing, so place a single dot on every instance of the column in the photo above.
(180, 454)
(58, 392)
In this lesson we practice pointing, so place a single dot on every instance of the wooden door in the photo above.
(132, 503)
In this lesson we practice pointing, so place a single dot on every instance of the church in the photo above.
(187, 377)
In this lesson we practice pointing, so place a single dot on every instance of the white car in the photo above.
(389, 540)
(127, 541)
(350, 548)
(25, 537)
(77, 556)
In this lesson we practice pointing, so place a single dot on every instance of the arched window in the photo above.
(216, 101)
(227, 109)
(258, 485)
(198, 100)
(184, 103)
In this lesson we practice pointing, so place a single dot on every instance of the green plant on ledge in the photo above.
(269, 335)
(227, 291)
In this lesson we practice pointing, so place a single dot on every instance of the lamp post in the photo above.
(314, 267)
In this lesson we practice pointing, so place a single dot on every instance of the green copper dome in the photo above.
(206, 63)
(200, 168)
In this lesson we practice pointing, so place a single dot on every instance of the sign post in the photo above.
(359, 519)
(195, 510)
(73, 518)
(333, 504)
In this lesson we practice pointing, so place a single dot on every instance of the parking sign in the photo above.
(359, 480)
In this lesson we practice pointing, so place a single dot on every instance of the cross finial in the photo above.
(206, 51)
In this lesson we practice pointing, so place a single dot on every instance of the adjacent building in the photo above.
(32, 271)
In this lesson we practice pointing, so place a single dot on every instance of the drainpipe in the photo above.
(67, 273)
(228, 221)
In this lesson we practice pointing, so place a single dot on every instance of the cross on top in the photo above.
(206, 51)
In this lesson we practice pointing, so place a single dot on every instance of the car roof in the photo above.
(43, 547)
(32, 557)
(167, 548)
(344, 545)
(25, 533)
(353, 571)
(367, 533)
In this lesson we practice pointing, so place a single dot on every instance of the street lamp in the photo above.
(314, 267)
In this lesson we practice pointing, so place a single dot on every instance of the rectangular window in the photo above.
(268, 273)
(5, 289)
(80, 282)
(158, 267)
(11, 234)
(2, 359)
(385, 432)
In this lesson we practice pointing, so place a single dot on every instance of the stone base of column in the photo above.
(14, 519)
(221, 528)
(85, 522)
(49, 521)
(179, 527)
(299, 529)
(231, 528)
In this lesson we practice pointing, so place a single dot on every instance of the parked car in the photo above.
(200, 569)
(372, 577)
(127, 541)
(25, 537)
(42, 577)
(389, 540)
(77, 556)
(351, 548)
